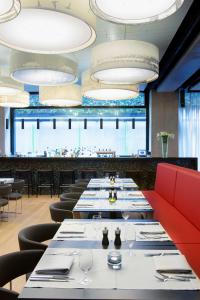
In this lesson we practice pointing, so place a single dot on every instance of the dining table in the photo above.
(99, 201)
(117, 183)
(150, 266)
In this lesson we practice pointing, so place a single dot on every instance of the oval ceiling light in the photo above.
(98, 91)
(69, 95)
(9, 87)
(46, 31)
(125, 62)
(134, 11)
(38, 69)
(9, 9)
(19, 100)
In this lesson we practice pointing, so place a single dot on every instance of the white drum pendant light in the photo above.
(134, 11)
(9, 87)
(47, 70)
(46, 31)
(9, 9)
(98, 91)
(19, 100)
(69, 95)
(125, 62)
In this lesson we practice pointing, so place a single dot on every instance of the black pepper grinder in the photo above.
(117, 241)
(115, 195)
(105, 241)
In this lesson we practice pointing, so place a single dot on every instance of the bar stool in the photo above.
(66, 177)
(110, 173)
(6, 173)
(45, 180)
(27, 176)
(88, 173)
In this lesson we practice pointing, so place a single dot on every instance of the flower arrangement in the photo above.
(164, 135)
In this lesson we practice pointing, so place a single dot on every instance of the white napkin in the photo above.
(172, 264)
(136, 194)
(56, 266)
(89, 193)
(73, 228)
(152, 231)
(140, 203)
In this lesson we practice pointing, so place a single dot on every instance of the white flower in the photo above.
(165, 134)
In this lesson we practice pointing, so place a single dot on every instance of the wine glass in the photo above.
(125, 216)
(85, 264)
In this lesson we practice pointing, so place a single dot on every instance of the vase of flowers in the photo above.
(164, 137)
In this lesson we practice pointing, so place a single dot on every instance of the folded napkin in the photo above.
(140, 203)
(88, 193)
(176, 264)
(136, 194)
(152, 232)
(57, 266)
(76, 228)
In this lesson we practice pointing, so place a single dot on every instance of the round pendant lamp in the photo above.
(9, 9)
(125, 62)
(38, 69)
(64, 96)
(134, 11)
(19, 100)
(98, 91)
(46, 31)
(9, 87)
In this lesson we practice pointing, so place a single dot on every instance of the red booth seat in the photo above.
(176, 204)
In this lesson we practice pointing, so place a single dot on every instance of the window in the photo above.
(80, 131)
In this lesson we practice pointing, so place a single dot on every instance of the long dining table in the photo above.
(146, 249)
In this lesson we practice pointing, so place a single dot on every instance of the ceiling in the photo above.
(159, 33)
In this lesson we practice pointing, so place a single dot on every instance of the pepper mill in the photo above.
(105, 241)
(117, 241)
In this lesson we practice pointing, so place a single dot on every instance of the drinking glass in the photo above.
(85, 264)
(97, 224)
(125, 216)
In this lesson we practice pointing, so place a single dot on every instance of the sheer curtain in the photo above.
(189, 127)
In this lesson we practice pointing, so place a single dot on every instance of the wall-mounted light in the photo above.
(101, 123)
(117, 123)
(54, 123)
(70, 123)
(85, 123)
(7, 123)
(38, 124)
(133, 123)
(22, 124)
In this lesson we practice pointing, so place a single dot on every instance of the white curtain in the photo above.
(189, 127)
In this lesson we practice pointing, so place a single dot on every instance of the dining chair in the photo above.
(32, 237)
(60, 211)
(70, 196)
(13, 265)
(16, 193)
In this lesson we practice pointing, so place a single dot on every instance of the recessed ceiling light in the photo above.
(98, 91)
(38, 69)
(46, 31)
(69, 95)
(19, 100)
(9, 87)
(125, 62)
(134, 11)
(9, 9)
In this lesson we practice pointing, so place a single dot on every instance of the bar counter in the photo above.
(142, 170)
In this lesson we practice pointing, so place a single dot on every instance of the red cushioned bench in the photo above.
(176, 203)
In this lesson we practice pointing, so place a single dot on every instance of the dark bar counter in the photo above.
(142, 170)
